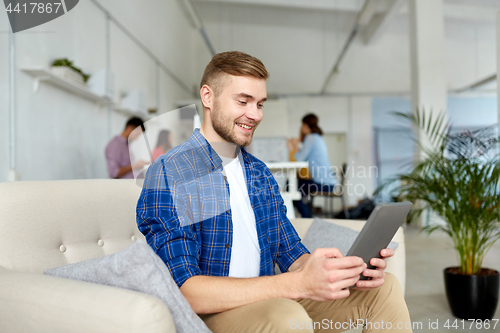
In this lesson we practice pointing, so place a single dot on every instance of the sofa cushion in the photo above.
(322, 234)
(137, 268)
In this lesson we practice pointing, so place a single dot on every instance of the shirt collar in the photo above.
(207, 153)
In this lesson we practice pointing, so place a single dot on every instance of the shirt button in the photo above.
(228, 246)
(228, 211)
(225, 178)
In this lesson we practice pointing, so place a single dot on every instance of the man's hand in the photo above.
(327, 274)
(377, 275)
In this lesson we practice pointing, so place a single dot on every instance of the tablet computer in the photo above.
(378, 231)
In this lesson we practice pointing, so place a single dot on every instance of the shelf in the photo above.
(45, 75)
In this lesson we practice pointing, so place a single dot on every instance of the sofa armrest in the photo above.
(32, 302)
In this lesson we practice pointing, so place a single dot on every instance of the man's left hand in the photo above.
(377, 275)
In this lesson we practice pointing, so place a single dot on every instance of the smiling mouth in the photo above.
(244, 126)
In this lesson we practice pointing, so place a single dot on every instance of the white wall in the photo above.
(62, 136)
(363, 175)
(470, 51)
(275, 121)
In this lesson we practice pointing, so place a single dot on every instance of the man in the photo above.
(117, 153)
(214, 214)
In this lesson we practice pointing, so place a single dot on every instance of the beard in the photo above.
(224, 126)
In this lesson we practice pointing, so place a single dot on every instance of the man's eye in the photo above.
(242, 102)
(261, 106)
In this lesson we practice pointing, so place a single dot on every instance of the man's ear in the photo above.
(207, 97)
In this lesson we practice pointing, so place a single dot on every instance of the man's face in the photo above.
(237, 111)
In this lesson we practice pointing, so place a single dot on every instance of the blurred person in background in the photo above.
(315, 151)
(164, 144)
(117, 152)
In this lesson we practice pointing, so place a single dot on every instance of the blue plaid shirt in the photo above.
(184, 211)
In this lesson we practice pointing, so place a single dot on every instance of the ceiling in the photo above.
(300, 41)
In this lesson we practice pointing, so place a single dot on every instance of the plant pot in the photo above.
(472, 296)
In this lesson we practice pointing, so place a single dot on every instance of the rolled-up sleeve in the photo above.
(161, 214)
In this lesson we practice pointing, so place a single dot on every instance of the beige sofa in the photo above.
(54, 223)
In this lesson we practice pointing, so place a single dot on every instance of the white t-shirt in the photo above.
(245, 253)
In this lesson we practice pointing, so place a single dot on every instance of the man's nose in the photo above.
(255, 114)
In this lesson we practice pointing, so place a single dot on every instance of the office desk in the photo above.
(289, 170)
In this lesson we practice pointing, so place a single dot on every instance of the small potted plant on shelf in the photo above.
(65, 68)
(458, 180)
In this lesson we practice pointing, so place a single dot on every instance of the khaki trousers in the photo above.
(378, 310)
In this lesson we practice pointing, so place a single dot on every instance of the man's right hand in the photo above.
(327, 274)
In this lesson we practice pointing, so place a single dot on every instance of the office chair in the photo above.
(330, 196)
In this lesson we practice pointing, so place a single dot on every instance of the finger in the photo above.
(374, 274)
(379, 263)
(345, 263)
(343, 274)
(387, 253)
(370, 284)
(341, 293)
(346, 283)
(328, 252)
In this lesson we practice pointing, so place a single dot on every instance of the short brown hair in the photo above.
(232, 63)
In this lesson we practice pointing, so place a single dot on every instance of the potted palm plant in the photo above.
(458, 180)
